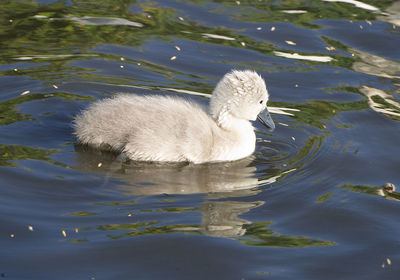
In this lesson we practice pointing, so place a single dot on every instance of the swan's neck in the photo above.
(238, 138)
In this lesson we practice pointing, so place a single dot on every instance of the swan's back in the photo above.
(151, 128)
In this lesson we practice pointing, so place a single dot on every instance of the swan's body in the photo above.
(159, 128)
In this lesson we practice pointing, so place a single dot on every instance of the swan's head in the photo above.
(242, 95)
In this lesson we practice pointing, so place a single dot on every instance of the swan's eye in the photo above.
(261, 102)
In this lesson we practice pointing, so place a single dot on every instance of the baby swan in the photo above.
(171, 129)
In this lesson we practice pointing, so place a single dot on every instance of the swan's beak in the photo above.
(265, 118)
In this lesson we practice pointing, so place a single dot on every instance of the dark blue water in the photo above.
(307, 205)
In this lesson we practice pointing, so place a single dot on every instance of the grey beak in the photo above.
(265, 118)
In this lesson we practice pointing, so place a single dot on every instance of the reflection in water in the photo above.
(220, 218)
(11, 153)
(152, 178)
(393, 15)
(382, 102)
(375, 65)
(373, 190)
(104, 21)
(9, 114)
(356, 3)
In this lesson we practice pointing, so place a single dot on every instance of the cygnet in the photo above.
(173, 129)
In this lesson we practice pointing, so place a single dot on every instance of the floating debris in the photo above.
(76, 230)
(331, 48)
(238, 2)
(181, 18)
(361, 27)
(55, 86)
(12, 235)
(139, 63)
(121, 66)
(290, 43)
(389, 262)
(243, 44)
(296, 85)
(25, 92)
(122, 59)
(273, 28)
(283, 124)
(64, 233)
(15, 69)
(129, 214)
(100, 164)
(11, 20)
(30, 228)
(178, 48)
(259, 28)
(367, 21)
(294, 139)
(389, 187)
(173, 58)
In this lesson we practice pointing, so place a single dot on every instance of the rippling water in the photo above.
(306, 205)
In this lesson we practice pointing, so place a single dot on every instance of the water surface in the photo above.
(306, 205)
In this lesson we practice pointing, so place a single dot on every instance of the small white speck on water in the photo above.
(25, 92)
(173, 58)
(293, 138)
(243, 44)
(122, 59)
(259, 28)
(15, 69)
(64, 233)
(178, 48)
(99, 164)
(273, 28)
(290, 43)
(55, 86)
(30, 228)
(181, 18)
(121, 66)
